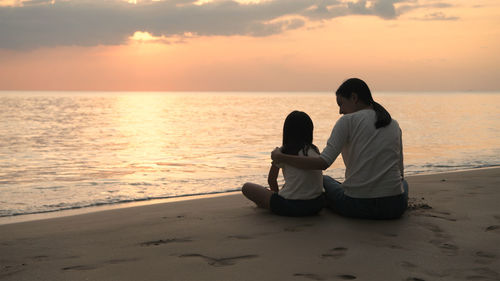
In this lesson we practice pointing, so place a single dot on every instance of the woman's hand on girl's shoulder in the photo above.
(276, 154)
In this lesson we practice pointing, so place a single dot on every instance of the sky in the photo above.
(249, 45)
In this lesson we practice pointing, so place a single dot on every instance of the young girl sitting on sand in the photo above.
(302, 193)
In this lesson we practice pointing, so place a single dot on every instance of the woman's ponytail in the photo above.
(358, 86)
(383, 116)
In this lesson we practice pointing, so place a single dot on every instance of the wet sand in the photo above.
(450, 232)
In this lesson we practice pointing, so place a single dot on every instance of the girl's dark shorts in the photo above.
(296, 208)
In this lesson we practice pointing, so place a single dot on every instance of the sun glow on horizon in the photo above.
(11, 3)
(143, 36)
(20, 3)
(245, 2)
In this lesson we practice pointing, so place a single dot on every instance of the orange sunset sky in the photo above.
(221, 45)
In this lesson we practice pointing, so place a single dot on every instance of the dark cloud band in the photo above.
(40, 23)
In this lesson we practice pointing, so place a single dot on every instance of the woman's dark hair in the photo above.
(358, 86)
(298, 133)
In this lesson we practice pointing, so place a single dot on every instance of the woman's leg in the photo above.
(344, 205)
(258, 194)
(376, 208)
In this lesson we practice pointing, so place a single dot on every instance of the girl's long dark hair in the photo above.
(358, 86)
(298, 133)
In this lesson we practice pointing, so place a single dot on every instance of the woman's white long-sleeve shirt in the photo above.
(373, 157)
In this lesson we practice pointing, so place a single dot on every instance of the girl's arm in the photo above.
(301, 162)
(272, 178)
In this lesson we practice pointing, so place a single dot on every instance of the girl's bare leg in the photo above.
(258, 194)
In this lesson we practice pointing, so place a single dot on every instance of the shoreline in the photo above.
(451, 232)
(112, 206)
(105, 207)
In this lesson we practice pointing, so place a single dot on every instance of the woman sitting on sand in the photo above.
(370, 143)
(302, 193)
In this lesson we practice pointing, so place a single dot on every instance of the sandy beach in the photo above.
(450, 232)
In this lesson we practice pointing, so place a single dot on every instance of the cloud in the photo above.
(45, 23)
(407, 7)
(436, 17)
(430, 16)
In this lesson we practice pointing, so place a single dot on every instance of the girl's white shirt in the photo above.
(301, 184)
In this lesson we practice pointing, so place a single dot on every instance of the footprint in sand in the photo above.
(311, 276)
(117, 261)
(336, 253)
(79, 267)
(442, 240)
(411, 267)
(297, 228)
(439, 233)
(487, 255)
(8, 270)
(447, 248)
(408, 265)
(174, 217)
(41, 257)
(95, 266)
(217, 262)
(440, 216)
(484, 257)
(166, 241)
(493, 228)
(240, 237)
(347, 277)
(484, 273)
(432, 227)
(429, 212)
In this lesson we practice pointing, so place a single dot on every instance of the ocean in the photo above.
(72, 150)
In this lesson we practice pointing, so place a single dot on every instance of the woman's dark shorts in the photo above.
(383, 208)
(296, 208)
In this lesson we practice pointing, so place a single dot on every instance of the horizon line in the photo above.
(242, 91)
